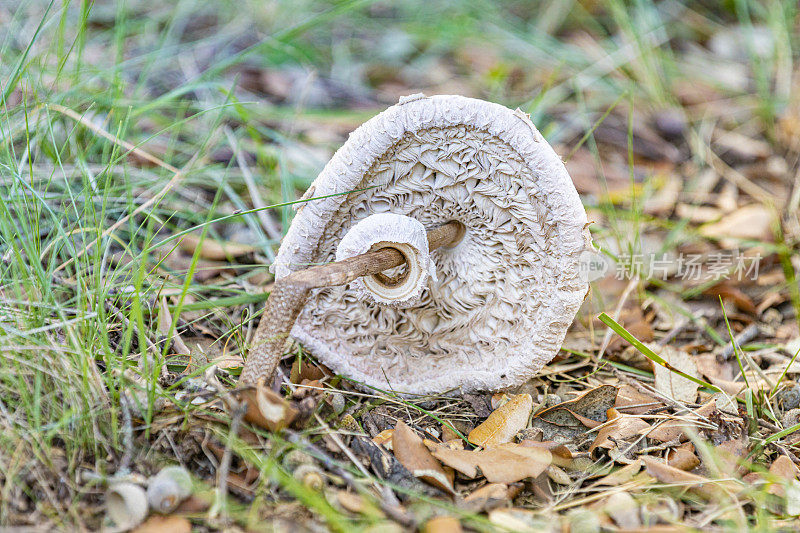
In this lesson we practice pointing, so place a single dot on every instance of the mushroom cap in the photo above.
(505, 295)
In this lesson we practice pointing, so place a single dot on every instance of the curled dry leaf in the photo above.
(504, 463)
(670, 383)
(412, 454)
(504, 423)
(268, 409)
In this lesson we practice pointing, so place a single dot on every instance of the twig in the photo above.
(746, 335)
(225, 463)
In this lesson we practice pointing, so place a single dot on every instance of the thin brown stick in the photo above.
(289, 295)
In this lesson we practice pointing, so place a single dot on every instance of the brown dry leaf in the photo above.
(752, 222)
(784, 468)
(504, 463)
(731, 455)
(698, 214)
(731, 293)
(700, 485)
(268, 409)
(518, 520)
(442, 524)
(302, 369)
(683, 457)
(350, 501)
(620, 427)
(663, 201)
(504, 423)
(671, 384)
(412, 454)
(561, 454)
(621, 476)
(490, 496)
(384, 438)
(710, 368)
(213, 249)
(572, 418)
(670, 430)
(624, 510)
(160, 524)
(634, 402)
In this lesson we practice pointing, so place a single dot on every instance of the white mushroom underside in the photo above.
(505, 295)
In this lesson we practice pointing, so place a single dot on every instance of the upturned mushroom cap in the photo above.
(505, 295)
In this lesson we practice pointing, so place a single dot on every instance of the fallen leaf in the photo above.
(624, 510)
(569, 420)
(504, 423)
(663, 201)
(268, 409)
(490, 496)
(683, 457)
(668, 382)
(700, 485)
(670, 430)
(159, 523)
(619, 428)
(519, 520)
(504, 463)
(442, 524)
(412, 454)
(621, 476)
(634, 402)
(384, 438)
(752, 222)
(213, 249)
(783, 468)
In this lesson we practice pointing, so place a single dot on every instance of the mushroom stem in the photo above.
(289, 295)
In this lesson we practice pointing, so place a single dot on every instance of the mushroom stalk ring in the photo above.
(290, 294)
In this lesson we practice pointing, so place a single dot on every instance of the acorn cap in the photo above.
(499, 302)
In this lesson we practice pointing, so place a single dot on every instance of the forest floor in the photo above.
(149, 154)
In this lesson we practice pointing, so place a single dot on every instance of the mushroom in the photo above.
(126, 505)
(167, 489)
(485, 302)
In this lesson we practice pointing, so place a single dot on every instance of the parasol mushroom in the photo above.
(486, 298)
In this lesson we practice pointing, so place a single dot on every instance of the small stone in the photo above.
(789, 398)
(670, 123)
